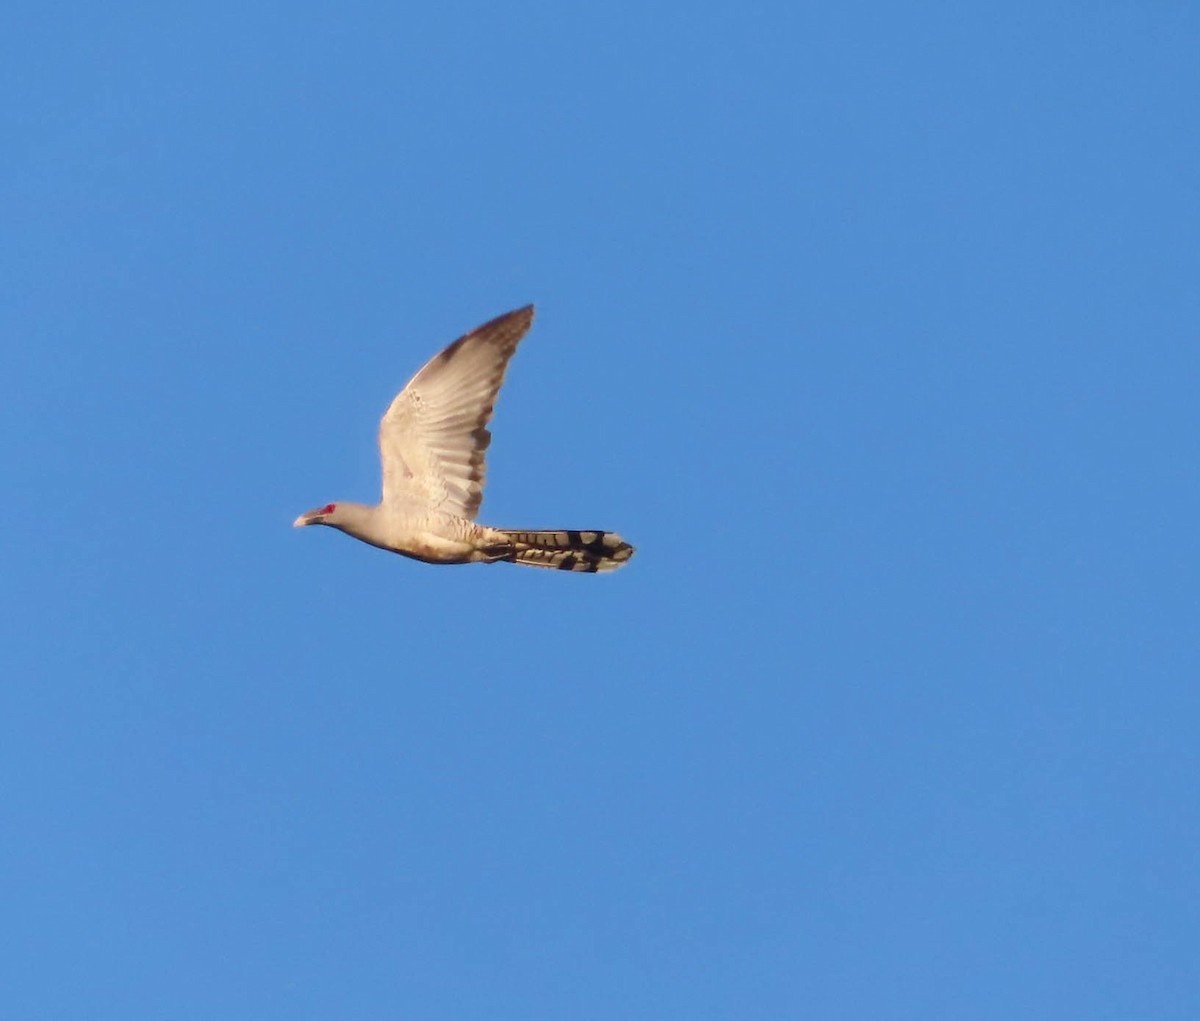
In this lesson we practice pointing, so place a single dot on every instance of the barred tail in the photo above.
(569, 550)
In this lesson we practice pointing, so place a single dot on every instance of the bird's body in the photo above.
(432, 443)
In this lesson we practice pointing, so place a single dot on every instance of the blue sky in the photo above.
(874, 327)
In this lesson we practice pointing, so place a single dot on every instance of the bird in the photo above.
(432, 444)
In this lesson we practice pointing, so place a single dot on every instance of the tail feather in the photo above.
(569, 549)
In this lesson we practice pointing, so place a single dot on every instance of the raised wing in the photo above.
(434, 436)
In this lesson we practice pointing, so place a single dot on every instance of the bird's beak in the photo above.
(304, 519)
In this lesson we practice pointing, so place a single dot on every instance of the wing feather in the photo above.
(434, 437)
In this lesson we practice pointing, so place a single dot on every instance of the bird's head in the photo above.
(326, 515)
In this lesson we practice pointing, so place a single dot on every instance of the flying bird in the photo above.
(432, 443)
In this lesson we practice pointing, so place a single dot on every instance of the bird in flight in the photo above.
(432, 443)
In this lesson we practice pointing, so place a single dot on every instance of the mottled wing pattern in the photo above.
(433, 439)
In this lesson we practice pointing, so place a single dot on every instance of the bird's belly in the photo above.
(436, 549)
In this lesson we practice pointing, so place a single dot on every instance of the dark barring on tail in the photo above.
(567, 549)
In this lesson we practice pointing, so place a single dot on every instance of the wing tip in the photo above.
(507, 330)
(521, 317)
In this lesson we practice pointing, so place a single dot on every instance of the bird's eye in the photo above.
(328, 508)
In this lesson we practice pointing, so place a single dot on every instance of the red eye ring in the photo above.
(328, 508)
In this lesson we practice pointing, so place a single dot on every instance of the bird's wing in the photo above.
(434, 436)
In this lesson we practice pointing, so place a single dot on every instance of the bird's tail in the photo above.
(568, 550)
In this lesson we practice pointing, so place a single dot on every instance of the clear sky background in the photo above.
(875, 327)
